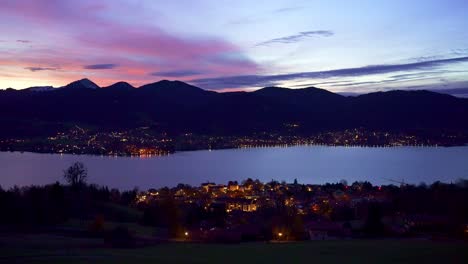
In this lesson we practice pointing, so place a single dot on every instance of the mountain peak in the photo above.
(82, 84)
(88, 84)
(279, 91)
(173, 86)
(124, 86)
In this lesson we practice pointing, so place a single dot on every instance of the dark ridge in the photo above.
(172, 86)
(180, 107)
(121, 86)
(82, 84)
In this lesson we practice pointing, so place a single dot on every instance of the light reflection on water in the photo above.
(309, 164)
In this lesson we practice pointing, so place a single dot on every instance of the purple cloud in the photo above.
(138, 49)
(23, 41)
(319, 83)
(35, 69)
(269, 80)
(105, 66)
(177, 73)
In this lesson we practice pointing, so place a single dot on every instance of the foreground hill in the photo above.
(180, 107)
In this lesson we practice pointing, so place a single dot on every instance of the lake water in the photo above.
(307, 164)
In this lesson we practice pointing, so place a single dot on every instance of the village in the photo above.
(280, 212)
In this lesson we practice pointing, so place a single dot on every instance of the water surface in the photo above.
(307, 164)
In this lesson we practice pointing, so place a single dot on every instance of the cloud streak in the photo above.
(105, 66)
(178, 73)
(268, 80)
(35, 69)
(287, 9)
(296, 37)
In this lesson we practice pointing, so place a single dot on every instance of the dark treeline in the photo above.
(36, 206)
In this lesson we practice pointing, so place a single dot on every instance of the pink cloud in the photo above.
(85, 33)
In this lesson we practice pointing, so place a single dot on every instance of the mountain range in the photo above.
(179, 107)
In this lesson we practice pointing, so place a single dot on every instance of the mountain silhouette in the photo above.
(119, 86)
(82, 84)
(179, 107)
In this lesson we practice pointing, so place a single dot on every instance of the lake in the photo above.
(307, 164)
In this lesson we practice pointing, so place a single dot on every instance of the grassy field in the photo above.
(55, 249)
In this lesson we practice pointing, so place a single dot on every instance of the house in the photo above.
(233, 186)
(242, 204)
(219, 189)
(207, 186)
(238, 204)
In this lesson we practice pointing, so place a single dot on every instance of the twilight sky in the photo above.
(343, 46)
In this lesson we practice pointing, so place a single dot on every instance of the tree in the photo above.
(76, 174)
(344, 182)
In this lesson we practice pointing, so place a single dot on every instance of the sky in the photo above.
(347, 46)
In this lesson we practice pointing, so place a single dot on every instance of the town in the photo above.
(280, 211)
(146, 141)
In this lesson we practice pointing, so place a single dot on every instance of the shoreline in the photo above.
(168, 153)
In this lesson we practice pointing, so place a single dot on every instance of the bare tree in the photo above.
(76, 174)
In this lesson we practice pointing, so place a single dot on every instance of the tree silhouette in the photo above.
(76, 174)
